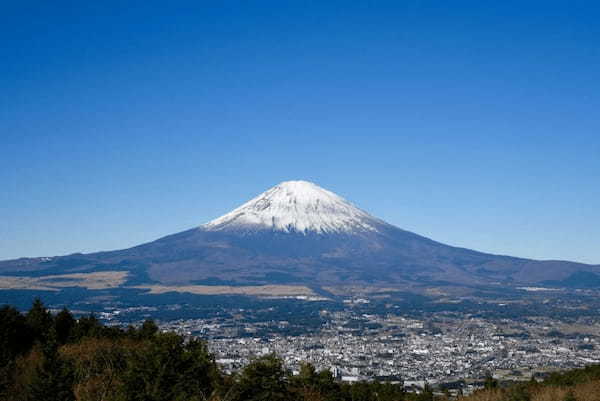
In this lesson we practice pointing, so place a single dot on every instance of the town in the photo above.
(440, 349)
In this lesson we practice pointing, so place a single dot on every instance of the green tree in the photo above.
(264, 379)
(15, 340)
(53, 378)
(148, 329)
(87, 326)
(64, 323)
(310, 384)
(362, 391)
(198, 372)
(328, 386)
(39, 320)
(490, 382)
(388, 391)
(166, 369)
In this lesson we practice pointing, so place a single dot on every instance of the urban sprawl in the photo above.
(447, 348)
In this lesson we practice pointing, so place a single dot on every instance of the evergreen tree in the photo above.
(165, 369)
(310, 384)
(87, 326)
(198, 372)
(148, 329)
(15, 336)
(15, 340)
(264, 379)
(388, 391)
(362, 391)
(490, 382)
(53, 379)
(64, 323)
(39, 320)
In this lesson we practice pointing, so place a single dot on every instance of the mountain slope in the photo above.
(296, 206)
(299, 233)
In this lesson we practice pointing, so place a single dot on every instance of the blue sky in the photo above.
(474, 123)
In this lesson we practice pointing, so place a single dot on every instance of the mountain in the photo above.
(298, 233)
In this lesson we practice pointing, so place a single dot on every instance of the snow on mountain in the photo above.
(296, 206)
(330, 243)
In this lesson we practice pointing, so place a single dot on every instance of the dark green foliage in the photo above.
(360, 391)
(388, 391)
(371, 391)
(262, 380)
(39, 320)
(147, 331)
(490, 382)
(87, 326)
(15, 340)
(575, 376)
(165, 368)
(198, 371)
(64, 323)
(53, 379)
(15, 337)
(309, 382)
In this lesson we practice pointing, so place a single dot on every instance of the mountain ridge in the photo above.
(299, 233)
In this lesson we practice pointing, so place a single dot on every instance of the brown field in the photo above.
(265, 290)
(91, 281)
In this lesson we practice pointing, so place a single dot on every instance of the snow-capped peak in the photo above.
(296, 206)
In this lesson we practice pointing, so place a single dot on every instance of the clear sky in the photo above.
(475, 123)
